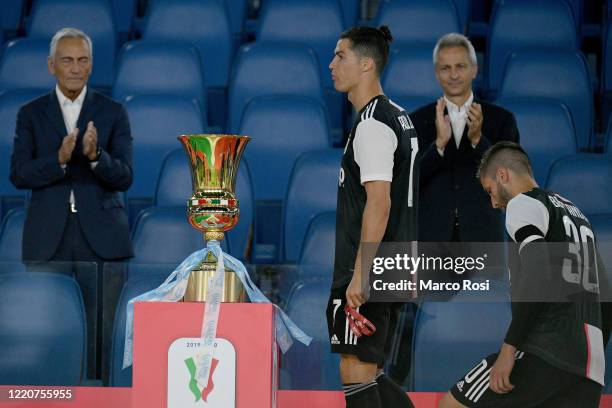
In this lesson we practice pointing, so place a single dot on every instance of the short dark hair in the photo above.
(507, 154)
(370, 42)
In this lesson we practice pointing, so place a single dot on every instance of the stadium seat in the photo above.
(476, 328)
(133, 287)
(271, 69)
(204, 23)
(410, 76)
(282, 127)
(608, 137)
(560, 75)
(316, 259)
(602, 226)
(94, 17)
(237, 13)
(606, 70)
(312, 367)
(520, 24)
(584, 179)
(312, 189)
(124, 12)
(42, 321)
(162, 235)
(24, 66)
(174, 188)
(415, 21)
(464, 11)
(546, 129)
(161, 68)
(350, 12)
(10, 102)
(10, 18)
(316, 24)
(11, 233)
(156, 121)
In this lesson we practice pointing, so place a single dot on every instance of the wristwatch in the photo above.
(98, 153)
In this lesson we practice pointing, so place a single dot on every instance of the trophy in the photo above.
(213, 208)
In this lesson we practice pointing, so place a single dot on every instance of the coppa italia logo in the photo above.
(193, 383)
(184, 391)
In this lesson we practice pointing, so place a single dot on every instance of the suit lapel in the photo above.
(87, 110)
(54, 113)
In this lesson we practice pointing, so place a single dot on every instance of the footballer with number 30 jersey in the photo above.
(553, 351)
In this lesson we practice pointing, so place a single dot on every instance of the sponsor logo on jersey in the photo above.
(460, 385)
(405, 122)
(334, 340)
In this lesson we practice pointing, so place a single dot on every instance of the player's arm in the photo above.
(374, 148)
(527, 223)
(373, 226)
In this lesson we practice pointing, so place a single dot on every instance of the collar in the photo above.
(452, 107)
(64, 101)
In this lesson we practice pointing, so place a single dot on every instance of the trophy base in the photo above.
(197, 285)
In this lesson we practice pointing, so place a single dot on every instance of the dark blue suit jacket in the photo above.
(34, 165)
(448, 183)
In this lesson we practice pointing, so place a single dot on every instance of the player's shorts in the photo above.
(371, 349)
(536, 384)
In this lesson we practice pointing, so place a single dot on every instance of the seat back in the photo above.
(24, 66)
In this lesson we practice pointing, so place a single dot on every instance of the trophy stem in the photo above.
(214, 236)
(201, 277)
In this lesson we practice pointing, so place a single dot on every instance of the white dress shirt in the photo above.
(458, 119)
(71, 111)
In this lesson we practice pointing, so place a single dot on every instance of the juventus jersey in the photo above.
(382, 146)
(567, 335)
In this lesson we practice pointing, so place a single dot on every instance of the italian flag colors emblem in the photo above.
(193, 383)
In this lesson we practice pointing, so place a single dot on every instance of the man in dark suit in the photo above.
(73, 149)
(454, 132)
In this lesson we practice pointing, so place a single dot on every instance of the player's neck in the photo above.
(364, 93)
(524, 185)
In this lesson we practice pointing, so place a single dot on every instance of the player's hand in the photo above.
(474, 123)
(354, 293)
(68, 143)
(90, 141)
(443, 125)
(499, 380)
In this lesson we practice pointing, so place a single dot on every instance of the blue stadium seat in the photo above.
(608, 137)
(271, 69)
(237, 13)
(174, 189)
(411, 103)
(312, 367)
(316, 259)
(10, 102)
(546, 129)
(415, 21)
(162, 235)
(160, 67)
(312, 189)
(124, 12)
(464, 10)
(156, 121)
(133, 287)
(316, 24)
(606, 70)
(11, 233)
(10, 18)
(350, 12)
(282, 127)
(602, 226)
(520, 24)
(42, 321)
(476, 328)
(584, 179)
(410, 74)
(560, 75)
(24, 66)
(204, 23)
(94, 17)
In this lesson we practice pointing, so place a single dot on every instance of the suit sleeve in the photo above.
(114, 167)
(28, 171)
(431, 163)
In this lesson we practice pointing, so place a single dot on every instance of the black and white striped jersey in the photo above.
(566, 334)
(382, 146)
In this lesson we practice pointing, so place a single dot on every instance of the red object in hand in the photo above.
(358, 323)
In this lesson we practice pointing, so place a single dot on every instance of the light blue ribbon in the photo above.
(173, 290)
